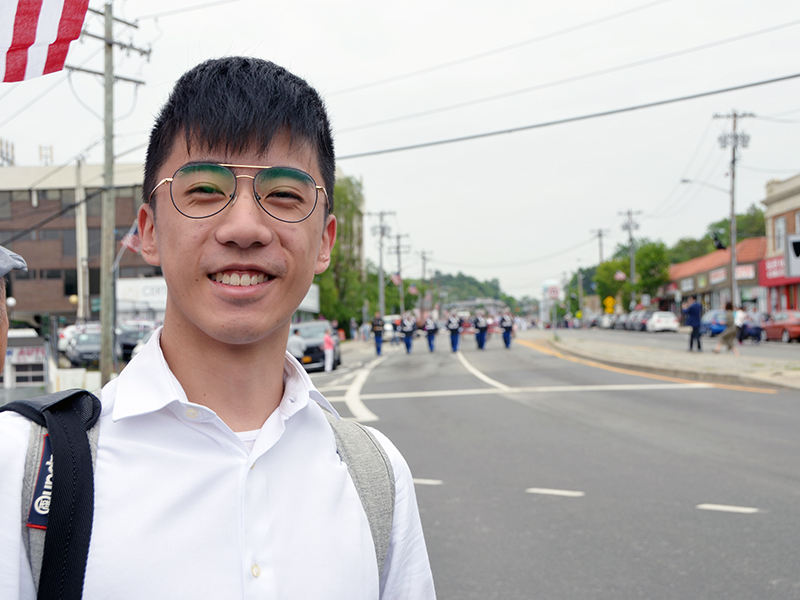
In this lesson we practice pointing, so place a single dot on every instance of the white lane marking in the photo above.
(353, 399)
(745, 510)
(428, 481)
(536, 390)
(481, 376)
(549, 492)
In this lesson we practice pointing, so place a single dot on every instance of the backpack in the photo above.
(66, 425)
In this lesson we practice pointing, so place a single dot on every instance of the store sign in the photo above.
(702, 281)
(687, 285)
(745, 272)
(26, 355)
(775, 268)
(718, 276)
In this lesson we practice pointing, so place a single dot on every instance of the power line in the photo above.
(473, 57)
(606, 113)
(566, 80)
(179, 11)
(517, 264)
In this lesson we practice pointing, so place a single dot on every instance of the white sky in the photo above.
(492, 207)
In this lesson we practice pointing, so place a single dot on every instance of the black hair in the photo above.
(240, 103)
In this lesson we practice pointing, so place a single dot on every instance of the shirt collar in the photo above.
(147, 385)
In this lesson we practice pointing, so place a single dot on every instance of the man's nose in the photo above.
(244, 221)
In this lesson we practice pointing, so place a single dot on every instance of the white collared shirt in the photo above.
(183, 510)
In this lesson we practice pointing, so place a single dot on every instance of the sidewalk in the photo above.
(698, 366)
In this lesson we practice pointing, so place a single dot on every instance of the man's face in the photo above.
(242, 240)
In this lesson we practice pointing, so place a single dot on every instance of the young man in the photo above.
(296, 345)
(217, 474)
(9, 261)
(693, 311)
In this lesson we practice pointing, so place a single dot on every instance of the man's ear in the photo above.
(147, 233)
(326, 247)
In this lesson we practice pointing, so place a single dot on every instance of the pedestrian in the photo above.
(217, 471)
(454, 326)
(9, 261)
(353, 328)
(693, 311)
(507, 325)
(728, 337)
(296, 345)
(327, 349)
(407, 328)
(481, 325)
(430, 329)
(739, 317)
(377, 332)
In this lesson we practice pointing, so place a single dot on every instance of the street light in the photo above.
(708, 185)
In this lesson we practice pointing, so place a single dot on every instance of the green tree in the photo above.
(688, 248)
(604, 278)
(749, 224)
(342, 284)
(652, 267)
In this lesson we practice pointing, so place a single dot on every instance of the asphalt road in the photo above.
(543, 478)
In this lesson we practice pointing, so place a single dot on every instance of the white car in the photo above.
(662, 321)
(64, 336)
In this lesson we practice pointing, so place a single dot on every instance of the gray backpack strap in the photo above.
(372, 474)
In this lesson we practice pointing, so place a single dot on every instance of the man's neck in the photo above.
(243, 385)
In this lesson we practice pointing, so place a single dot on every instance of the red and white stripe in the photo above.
(35, 35)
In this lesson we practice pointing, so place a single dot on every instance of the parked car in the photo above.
(752, 328)
(141, 343)
(313, 333)
(64, 336)
(622, 321)
(784, 325)
(631, 322)
(84, 348)
(607, 321)
(129, 334)
(662, 321)
(640, 322)
(713, 323)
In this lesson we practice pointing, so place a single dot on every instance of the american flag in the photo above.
(35, 35)
(396, 279)
(132, 241)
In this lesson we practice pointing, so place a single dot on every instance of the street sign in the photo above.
(95, 304)
(609, 303)
(553, 292)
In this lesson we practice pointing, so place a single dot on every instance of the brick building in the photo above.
(37, 221)
(782, 218)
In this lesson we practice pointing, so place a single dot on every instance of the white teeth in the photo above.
(239, 280)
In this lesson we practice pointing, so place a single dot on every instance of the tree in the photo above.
(749, 224)
(342, 284)
(652, 267)
(604, 279)
(688, 248)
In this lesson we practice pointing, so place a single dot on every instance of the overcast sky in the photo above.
(520, 207)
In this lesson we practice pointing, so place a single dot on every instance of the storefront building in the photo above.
(709, 277)
(782, 220)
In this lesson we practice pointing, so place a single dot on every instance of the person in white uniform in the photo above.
(217, 472)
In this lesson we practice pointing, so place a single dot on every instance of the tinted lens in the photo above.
(286, 194)
(202, 190)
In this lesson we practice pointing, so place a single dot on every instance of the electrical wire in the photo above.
(515, 264)
(502, 49)
(761, 170)
(186, 9)
(566, 80)
(606, 113)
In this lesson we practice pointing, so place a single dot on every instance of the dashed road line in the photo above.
(552, 492)
(744, 510)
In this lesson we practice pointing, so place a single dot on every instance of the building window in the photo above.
(70, 245)
(94, 242)
(124, 192)
(51, 234)
(22, 275)
(50, 274)
(5, 205)
(29, 374)
(797, 222)
(94, 282)
(70, 282)
(21, 195)
(780, 233)
(94, 202)
(67, 198)
(50, 194)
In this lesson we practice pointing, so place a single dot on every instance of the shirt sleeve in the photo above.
(16, 581)
(407, 572)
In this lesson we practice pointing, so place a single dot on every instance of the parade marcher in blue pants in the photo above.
(430, 330)
(454, 327)
(481, 325)
(407, 327)
(507, 325)
(377, 331)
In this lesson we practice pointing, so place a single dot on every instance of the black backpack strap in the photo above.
(67, 416)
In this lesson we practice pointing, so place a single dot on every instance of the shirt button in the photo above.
(255, 570)
(191, 413)
(291, 399)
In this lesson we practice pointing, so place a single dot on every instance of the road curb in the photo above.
(721, 378)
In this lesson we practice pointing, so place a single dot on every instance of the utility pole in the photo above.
(81, 245)
(600, 233)
(734, 139)
(630, 225)
(580, 294)
(381, 230)
(425, 258)
(108, 202)
(399, 250)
